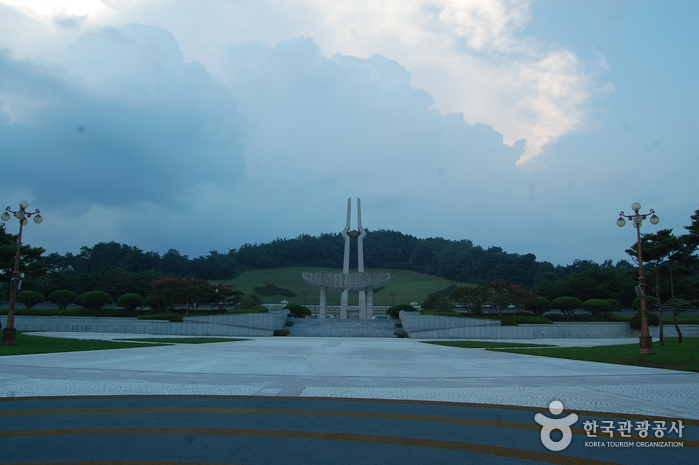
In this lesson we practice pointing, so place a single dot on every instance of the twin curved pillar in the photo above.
(346, 282)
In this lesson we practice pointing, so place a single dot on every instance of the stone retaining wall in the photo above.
(444, 327)
(244, 324)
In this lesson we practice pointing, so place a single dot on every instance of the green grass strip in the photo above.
(483, 344)
(25, 344)
(671, 356)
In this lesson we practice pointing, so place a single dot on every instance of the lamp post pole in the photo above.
(645, 341)
(8, 334)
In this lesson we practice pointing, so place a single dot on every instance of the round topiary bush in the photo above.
(62, 298)
(130, 302)
(394, 311)
(299, 310)
(29, 298)
(567, 305)
(614, 305)
(651, 303)
(537, 305)
(597, 306)
(94, 300)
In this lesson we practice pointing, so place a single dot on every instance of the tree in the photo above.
(677, 305)
(226, 296)
(29, 298)
(251, 300)
(501, 293)
(62, 298)
(585, 280)
(114, 256)
(691, 238)
(130, 302)
(471, 298)
(166, 292)
(437, 302)
(657, 248)
(30, 262)
(567, 305)
(93, 300)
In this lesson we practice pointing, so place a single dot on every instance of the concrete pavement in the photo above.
(333, 401)
(354, 368)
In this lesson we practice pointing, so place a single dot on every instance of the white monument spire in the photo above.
(346, 282)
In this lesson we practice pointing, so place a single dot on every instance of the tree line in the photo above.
(119, 269)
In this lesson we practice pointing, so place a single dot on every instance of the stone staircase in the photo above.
(335, 327)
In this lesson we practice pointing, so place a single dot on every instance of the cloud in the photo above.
(474, 57)
(69, 22)
(125, 120)
(345, 116)
(136, 145)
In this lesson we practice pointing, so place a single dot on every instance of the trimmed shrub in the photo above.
(62, 298)
(538, 305)
(282, 332)
(597, 306)
(395, 310)
(94, 300)
(29, 298)
(651, 303)
(614, 305)
(130, 302)
(299, 310)
(567, 305)
(635, 321)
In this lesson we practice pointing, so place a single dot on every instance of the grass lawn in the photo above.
(671, 356)
(181, 340)
(26, 344)
(482, 344)
(407, 285)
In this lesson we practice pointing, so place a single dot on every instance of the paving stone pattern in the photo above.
(335, 327)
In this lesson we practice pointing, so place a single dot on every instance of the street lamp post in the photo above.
(8, 334)
(645, 341)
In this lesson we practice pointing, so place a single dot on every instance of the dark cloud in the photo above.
(69, 22)
(343, 115)
(149, 127)
(126, 121)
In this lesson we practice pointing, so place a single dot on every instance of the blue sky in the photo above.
(201, 126)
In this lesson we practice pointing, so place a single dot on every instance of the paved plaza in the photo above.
(402, 372)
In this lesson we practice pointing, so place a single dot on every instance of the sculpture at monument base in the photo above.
(346, 282)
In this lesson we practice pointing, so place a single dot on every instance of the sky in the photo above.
(199, 126)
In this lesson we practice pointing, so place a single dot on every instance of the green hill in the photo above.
(408, 286)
